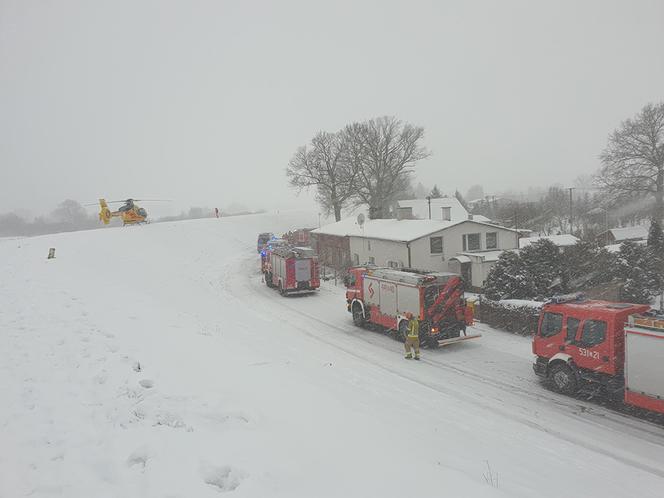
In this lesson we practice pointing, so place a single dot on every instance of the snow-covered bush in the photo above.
(641, 272)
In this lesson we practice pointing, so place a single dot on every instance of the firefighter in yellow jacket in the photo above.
(413, 337)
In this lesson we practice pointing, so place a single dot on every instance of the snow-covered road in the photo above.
(152, 361)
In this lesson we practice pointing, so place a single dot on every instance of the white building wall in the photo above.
(453, 244)
(383, 251)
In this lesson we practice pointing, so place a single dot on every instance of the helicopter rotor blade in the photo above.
(125, 200)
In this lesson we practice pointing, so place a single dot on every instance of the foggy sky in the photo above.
(204, 102)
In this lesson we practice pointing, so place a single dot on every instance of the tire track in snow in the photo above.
(249, 282)
(642, 426)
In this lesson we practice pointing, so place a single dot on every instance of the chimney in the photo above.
(447, 213)
(405, 213)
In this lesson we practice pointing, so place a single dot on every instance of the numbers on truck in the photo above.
(589, 354)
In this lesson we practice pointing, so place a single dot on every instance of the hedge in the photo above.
(520, 320)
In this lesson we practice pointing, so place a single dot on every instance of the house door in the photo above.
(467, 274)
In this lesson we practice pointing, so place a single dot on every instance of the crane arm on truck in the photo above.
(445, 304)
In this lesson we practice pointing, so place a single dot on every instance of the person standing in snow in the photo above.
(413, 337)
(216, 212)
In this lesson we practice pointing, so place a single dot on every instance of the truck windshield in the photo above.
(552, 324)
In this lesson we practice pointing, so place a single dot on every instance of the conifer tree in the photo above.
(507, 279)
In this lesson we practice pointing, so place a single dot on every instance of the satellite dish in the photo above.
(360, 219)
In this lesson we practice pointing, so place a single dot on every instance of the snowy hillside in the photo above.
(151, 361)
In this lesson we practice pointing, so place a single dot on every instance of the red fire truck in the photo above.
(267, 249)
(292, 270)
(386, 296)
(617, 348)
(300, 237)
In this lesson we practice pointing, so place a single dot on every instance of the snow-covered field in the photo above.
(152, 361)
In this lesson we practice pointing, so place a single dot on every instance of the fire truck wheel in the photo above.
(562, 378)
(268, 279)
(358, 316)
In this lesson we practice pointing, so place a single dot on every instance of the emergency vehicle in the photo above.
(263, 240)
(292, 270)
(617, 348)
(386, 297)
(267, 249)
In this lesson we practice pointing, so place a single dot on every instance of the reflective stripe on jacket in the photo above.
(413, 328)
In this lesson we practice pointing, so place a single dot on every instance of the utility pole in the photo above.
(570, 209)
(429, 200)
(516, 227)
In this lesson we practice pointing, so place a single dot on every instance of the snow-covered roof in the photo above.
(397, 230)
(487, 256)
(391, 229)
(420, 208)
(629, 233)
(616, 247)
(564, 240)
(519, 303)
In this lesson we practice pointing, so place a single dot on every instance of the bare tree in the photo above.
(383, 151)
(322, 165)
(633, 161)
(70, 211)
(475, 192)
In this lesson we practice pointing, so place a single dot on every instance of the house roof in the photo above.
(616, 247)
(627, 233)
(420, 208)
(486, 256)
(564, 240)
(394, 230)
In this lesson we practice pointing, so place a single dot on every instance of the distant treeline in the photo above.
(71, 216)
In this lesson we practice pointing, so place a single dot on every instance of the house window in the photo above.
(471, 242)
(368, 245)
(436, 244)
(372, 260)
(393, 264)
(356, 259)
(447, 213)
(492, 240)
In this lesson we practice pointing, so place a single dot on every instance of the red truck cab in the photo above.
(353, 282)
(581, 343)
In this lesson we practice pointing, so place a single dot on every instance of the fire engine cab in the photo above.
(291, 270)
(617, 348)
(386, 297)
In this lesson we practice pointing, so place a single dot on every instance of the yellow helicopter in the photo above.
(130, 212)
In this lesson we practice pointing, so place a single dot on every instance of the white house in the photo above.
(620, 235)
(432, 245)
